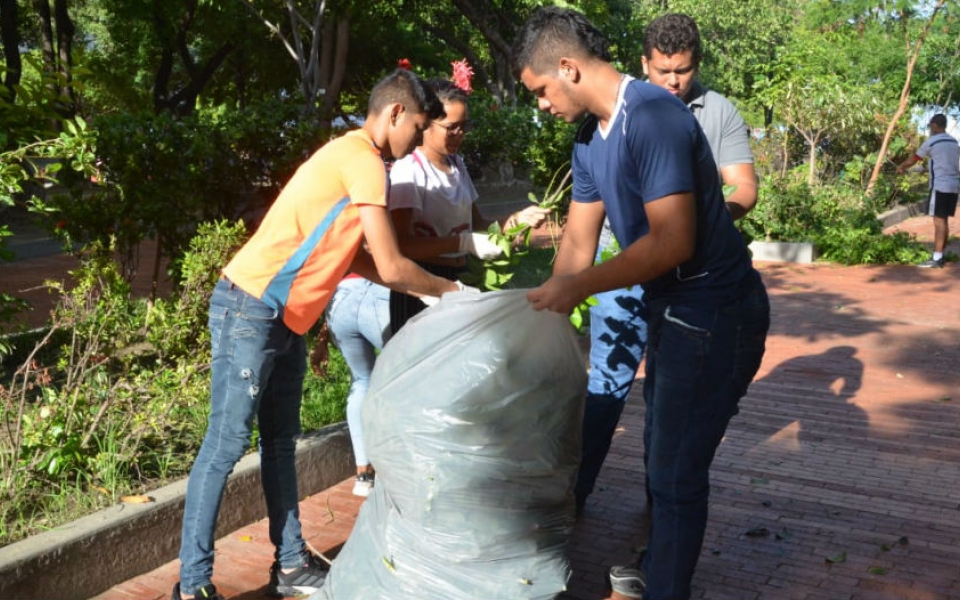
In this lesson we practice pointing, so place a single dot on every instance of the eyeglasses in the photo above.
(455, 128)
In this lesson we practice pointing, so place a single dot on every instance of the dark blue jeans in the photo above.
(257, 370)
(700, 361)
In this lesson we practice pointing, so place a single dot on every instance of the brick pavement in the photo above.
(845, 450)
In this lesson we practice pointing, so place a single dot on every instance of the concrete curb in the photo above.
(795, 252)
(806, 252)
(92, 554)
(902, 213)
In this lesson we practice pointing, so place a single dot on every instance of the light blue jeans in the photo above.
(257, 370)
(358, 318)
(618, 335)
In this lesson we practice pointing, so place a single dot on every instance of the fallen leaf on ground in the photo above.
(757, 532)
(837, 558)
(136, 499)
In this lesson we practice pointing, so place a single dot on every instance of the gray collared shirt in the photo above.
(726, 132)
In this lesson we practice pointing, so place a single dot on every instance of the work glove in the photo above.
(479, 245)
(534, 216)
(462, 287)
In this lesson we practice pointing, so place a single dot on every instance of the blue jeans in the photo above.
(358, 318)
(700, 361)
(257, 370)
(618, 335)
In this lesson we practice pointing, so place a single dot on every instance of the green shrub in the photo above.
(534, 144)
(839, 220)
(113, 397)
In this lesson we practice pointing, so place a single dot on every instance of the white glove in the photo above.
(462, 287)
(479, 245)
(534, 216)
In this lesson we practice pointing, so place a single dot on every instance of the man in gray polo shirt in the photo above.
(944, 154)
(671, 58)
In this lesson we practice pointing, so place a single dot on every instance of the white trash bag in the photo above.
(473, 422)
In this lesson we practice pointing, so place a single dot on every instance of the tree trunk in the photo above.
(42, 8)
(10, 39)
(65, 33)
(173, 39)
(904, 99)
(503, 86)
(335, 54)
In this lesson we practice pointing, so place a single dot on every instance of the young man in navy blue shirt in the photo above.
(641, 159)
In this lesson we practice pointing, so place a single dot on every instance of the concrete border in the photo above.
(805, 252)
(795, 252)
(902, 213)
(92, 554)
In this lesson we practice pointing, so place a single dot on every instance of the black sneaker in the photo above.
(207, 592)
(304, 580)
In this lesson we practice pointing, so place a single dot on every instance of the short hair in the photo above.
(552, 32)
(402, 86)
(940, 120)
(673, 33)
(447, 91)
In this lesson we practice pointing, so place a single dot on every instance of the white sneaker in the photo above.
(363, 485)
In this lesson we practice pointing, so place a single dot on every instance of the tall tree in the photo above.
(913, 48)
(741, 42)
(174, 22)
(56, 45)
(317, 40)
(10, 38)
(481, 31)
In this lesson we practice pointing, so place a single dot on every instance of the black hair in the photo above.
(673, 33)
(552, 32)
(940, 120)
(447, 91)
(402, 86)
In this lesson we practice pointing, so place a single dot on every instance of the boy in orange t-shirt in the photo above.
(272, 291)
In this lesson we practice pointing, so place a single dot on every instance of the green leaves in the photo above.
(581, 312)
(497, 273)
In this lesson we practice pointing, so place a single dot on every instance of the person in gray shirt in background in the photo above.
(944, 154)
(671, 59)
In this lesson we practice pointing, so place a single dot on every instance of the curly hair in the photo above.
(552, 32)
(673, 33)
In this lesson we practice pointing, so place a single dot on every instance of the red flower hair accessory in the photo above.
(462, 74)
(404, 63)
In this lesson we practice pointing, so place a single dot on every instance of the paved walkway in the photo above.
(839, 479)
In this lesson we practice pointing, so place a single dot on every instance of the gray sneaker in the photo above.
(931, 264)
(628, 581)
(307, 579)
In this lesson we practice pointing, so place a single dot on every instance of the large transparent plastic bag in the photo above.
(473, 422)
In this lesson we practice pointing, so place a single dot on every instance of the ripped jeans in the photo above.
(257, 369)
